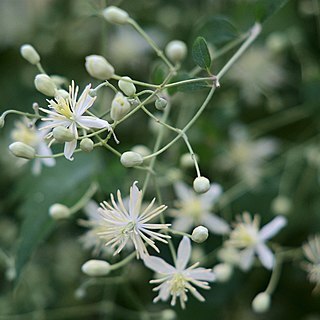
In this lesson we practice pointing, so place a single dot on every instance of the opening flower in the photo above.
(247, 236)
(178, 280)
(68, 112)
(130, 223)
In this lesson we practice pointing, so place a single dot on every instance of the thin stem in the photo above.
(182, 82)
(103, 142)
(40, 68)
(140, 83)
(123, 262)
(180, 233)
(194, 158)
(85, 198)
(275, 276)
(31, 115)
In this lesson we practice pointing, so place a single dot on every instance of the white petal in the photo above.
(158, 265)
(184, 253)
(265, 255)
(85, 101)
(246, 258)
(215, 224)
(36, 167)
(209, 198)
(272, 228)
(92, 122)
(135, 200)
(69, 148)
(183, 191)
(202, 274)
(44, 150)
(182, 223)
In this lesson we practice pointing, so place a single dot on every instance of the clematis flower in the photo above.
(68, 112)
(247, 237)
(178, 280)
(129, 223)
(195, 209)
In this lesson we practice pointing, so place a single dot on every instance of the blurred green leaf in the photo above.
(159, 73)
(264, 9)
(65, 183)
(201, 54)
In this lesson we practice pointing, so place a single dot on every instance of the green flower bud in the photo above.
(86, 145)
(176, 50)
(128, 88)
(115, 15)
(131, 159)
(281, 205)
(161, 103)
(98, 67)
(120, 106)
(45, 85)
(59, 211)
(29, 53)
(200, 234)
(22, 150)
(168, 314)
(261, 302)
(62, 134)
(201, 184)
(96, 268)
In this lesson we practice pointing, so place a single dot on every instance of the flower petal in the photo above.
(182, 223)
(85, 101)
(211, 196)
(246, 258)
(272, 228)
(183, 191)
(92, 122)
(158, 265)
(265, 255)
(69, 148)
(184, 253)
(215, 224)
(202, 274)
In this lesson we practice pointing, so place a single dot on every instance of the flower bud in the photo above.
(176, 50)
(98, 67)
(59, 211)
(128, 88)
(223, 272)
(168, 314)
(45, 85)
(142, 150)
(281, 205)
(86, 145)
(186, 160)
(62, 93)
(29, 53)
(22, 150)
(261, 302)
(161, 104)
(96, 268)
(120, 106)
(115, 15)
(200, 234)
(131, 159)
(201, 184)
(62, 134)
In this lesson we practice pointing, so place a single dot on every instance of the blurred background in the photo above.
(258, 138)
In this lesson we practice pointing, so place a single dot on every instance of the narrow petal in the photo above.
(272, 228)
(184, 253)
(92, 122)
(246, 258)
(209, 198)
(202, 274)
(265, 255)
(69, 148)
(215, 224)
(182, 223)
(85, 101)
(183, 191)
(158, 265)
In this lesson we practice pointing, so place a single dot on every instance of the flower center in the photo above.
(192, 208)
(24, 134)
(62, 106)
(128, 228)
(244, 235)
(178, 284)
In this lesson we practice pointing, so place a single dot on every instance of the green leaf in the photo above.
(264, 9)
(201, 54)
(65, 183)
(218, 30)
(159, 73)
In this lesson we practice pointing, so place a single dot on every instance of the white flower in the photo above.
(247, 236)
(68, 112)
(27, 133)
(311, 251)
(195, 209)
(178, 280)
(130, 223)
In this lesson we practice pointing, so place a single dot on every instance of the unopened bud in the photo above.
(98, 67)
(115, 15)
(120, 106)
(29, 53)
(22, 150)
(62, 134)
(62, 93)
(200, 234)
(45, 85)
(142, 150)
(261, 302)
(59, 211)
(131, 159)
(128, 88)
(86, 145)
(96, 268)
(168, 314)
(223, 272)
(186, 160)
(281, 205)
(201, 184)
(161, 103)
(176, 50)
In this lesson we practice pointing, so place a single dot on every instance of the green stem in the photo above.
(85, 198)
